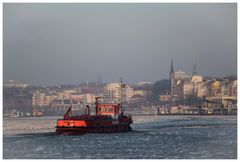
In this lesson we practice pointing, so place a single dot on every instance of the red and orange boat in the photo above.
(107, 119)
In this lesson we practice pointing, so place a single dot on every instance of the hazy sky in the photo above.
(51, 44)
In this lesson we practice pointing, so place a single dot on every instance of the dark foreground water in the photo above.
(155, 137)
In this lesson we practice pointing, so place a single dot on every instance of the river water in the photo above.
(153, 137)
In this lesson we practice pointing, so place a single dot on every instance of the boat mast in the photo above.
(96, 105)
(121, 95)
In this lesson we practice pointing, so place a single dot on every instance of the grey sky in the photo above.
(55, 44)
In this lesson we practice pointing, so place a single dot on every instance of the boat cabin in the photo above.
(108, 109)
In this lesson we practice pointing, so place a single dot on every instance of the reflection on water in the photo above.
(153, 137)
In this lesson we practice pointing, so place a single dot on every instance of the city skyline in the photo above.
(52, 44)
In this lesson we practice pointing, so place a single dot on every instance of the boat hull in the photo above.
(93, 124)
(100, 129)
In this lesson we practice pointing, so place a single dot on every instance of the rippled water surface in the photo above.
(153, 137)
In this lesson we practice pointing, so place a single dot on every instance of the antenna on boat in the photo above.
(96, 105)
(121, 95)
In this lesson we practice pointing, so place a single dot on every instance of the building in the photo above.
(61, 106)
(177, 83)
(38, 99)
(222, 101)
(14, 83)
(143, 83)
(67, 93)
(216, 88)
(42, 99)
(194, 86)
(187, 88)
(139, 92)
(197, 82)
(129, 92)
(165, 97)
(77, 97)
(234, 88)
(137, 99)
(114, 93)
(90, 98)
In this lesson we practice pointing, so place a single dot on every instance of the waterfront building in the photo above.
(112, 92)
(223, 100)
(92, 89)
(215, 88)
(38, 98)
(128, 93)
(67, 93)
(225, 87)
(90, 98)
(222, 104)
(208, 87)
(60, 95)
(179, 89)
(222, 87)
(139, 92)
(143, 83)
(137, 99)
(77, 97)
(197, 82)
(203, 90)
(194, 86)
(14, 83)
(187, 88)
(234, 88)
(165, 97)
(143, 90)
(177, 79)
(42, 99)
(61, 105)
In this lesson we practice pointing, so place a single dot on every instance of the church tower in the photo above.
(194, 69)
(172, 79)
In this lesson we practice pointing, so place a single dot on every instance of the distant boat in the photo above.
(37, 113)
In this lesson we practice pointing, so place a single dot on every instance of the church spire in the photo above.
(172, 70)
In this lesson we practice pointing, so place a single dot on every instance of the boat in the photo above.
(37, 114)
(108, 118)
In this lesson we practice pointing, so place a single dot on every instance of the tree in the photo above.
(160, 87)
(193, 100)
